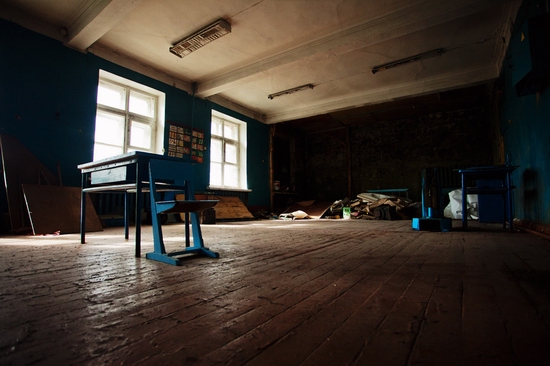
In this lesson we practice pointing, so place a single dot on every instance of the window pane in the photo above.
(142, 104)
(230, 153)
(140, 135)
(216, 174)
(216, 150)
(104, 151)
(109, 128)
(217, 127)
(231, 130)
(111, 95)
(226, 152)
(230, 176)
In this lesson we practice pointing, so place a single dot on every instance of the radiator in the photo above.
(225, 193)
(112, 204)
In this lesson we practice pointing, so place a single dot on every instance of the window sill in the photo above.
(214, 188)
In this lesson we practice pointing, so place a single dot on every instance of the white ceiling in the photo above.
(275, 45)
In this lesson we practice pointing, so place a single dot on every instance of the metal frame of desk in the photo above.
(127, 174)
(503, 173)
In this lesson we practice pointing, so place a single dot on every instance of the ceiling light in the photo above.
(198, 39)
(408, 60)
(290, 91)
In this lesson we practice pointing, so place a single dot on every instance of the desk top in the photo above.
(130, 157)
(489, 170)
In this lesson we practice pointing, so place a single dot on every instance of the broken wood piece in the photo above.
(20, 166)
(57, 208)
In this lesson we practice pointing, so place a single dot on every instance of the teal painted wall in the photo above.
(48, 102)
(525, 124)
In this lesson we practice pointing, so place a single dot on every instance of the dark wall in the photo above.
(525, 117)
(392, 154)
(48, 102)
(327, 165)
(47, 98)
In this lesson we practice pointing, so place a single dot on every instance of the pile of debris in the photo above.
(375, 206)
(383, 207)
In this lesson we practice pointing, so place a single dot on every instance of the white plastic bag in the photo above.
(454, 208)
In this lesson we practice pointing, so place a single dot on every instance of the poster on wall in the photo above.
(197, 146)
(185, 142)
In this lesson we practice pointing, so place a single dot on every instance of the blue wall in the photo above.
(48, 102)
(525, 124)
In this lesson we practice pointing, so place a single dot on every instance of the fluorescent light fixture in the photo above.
(198, 39)
(290, 91)
(408, 60)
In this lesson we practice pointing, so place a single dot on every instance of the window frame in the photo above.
(156, 123)
(241, 146)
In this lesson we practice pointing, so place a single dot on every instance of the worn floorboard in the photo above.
(310, 292)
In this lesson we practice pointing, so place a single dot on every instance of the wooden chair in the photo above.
(166, 179)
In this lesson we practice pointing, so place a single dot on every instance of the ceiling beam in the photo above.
(508, 15)
(417, 16)
(235, 107)
(95, 19)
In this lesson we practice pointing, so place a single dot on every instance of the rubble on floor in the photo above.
(367, 206)
(378, 206)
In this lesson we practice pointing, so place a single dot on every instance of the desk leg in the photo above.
(138, 211)
(187, 236)
(464, 204)
(509, 199)
(83, 211)
(126, 215)
(504, 209)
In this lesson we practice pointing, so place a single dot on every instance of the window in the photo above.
(129, 117)
(227, 152)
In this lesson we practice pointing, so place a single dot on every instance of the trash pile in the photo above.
(367, 206)
(376, 206)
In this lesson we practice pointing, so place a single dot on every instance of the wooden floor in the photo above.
(310, 292)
